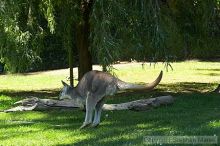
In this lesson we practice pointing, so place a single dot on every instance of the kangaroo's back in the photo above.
(103, 82)
(94, 80)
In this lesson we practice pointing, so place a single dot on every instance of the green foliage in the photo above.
(145, 30)
(47, 8)
(67, 23)
(21, 37)
(154, 30)
(196, 21)
(105, 42)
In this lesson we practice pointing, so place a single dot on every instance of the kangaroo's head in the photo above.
(67, 92)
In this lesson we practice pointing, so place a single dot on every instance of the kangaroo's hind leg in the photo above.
(90, 106)
(98, 110)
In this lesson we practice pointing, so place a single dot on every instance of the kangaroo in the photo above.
(94, 87)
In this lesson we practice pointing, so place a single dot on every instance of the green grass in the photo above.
(194, 112)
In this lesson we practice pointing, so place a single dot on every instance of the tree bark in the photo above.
(71, 66)
(83, 33)
(35, 103)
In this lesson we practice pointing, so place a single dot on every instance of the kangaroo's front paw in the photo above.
(84, 125)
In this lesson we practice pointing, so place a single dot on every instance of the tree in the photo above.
(20, 35)
(83, 33)
(107, 31)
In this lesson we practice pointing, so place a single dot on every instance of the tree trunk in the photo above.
(83, 33)
(71, 65)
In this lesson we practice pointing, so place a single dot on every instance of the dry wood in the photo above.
(35, 103)
(217, 90)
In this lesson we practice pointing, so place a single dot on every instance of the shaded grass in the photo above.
(194, 112)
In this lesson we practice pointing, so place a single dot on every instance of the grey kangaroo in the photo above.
(94, 87)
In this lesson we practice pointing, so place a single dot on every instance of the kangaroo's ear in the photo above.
(64, 84)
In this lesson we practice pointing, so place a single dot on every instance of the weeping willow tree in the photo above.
(133, 28)
(154, 29)
(107, 31)
(20, 35)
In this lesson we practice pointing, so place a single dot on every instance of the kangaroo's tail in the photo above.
(130, 86)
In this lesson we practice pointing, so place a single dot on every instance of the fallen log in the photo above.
(217, 90)
(35, 103)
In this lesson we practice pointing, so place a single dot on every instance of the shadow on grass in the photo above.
(208, 69)
(162, 89)
(190, 114)
(10, 97)
(210, 74)
(166, 89)
(37, 93)
(188, 87)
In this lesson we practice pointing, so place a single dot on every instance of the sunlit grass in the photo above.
(189, 71)
(194, 112)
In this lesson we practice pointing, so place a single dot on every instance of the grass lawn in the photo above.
(194, 112)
